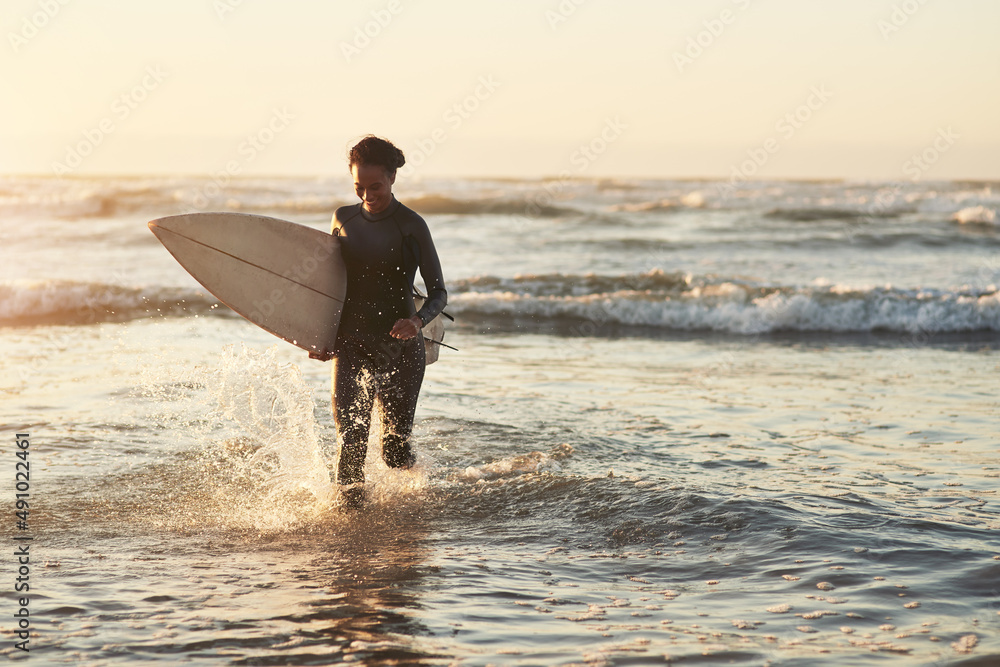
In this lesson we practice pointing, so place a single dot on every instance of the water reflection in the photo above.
(369, 573)
(342, 587)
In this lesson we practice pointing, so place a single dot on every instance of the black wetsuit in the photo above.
(372, 369)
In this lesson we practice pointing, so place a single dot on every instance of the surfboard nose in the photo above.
(156, 229)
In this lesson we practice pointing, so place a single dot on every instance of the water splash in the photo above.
(253, 459)
(271, 408)
(280, 477)
(522, 464)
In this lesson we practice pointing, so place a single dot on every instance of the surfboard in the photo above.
(286, 278)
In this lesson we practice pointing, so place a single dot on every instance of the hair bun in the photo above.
(400, 158)
(372, 150)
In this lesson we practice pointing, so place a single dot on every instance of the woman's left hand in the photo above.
(406, 329)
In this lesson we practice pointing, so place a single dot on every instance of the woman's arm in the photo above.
(430, 271)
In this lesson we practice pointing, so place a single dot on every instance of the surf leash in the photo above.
(441, 344)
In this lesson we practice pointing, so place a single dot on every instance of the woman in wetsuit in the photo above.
(379, 354)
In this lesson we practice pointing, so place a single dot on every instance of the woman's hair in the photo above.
(374, 151)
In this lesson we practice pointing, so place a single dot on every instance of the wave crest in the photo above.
(668, 302)
(28, 303)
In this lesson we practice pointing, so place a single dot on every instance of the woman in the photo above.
(379, 354)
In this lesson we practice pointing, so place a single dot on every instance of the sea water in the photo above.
(689, 423)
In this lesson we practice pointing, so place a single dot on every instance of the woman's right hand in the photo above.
(406, 329)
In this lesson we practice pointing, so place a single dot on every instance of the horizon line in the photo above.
(512, 178)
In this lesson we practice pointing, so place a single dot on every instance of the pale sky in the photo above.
(881, 89)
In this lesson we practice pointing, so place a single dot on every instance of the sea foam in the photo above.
(663, 302)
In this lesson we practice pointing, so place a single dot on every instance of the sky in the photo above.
(856, 89)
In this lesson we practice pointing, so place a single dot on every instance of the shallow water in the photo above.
(589, 490)
(644, 510)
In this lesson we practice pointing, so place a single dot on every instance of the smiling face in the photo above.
(373, 185)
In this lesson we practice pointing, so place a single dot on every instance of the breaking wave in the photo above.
(665, 301)
(684, 303)
(32, 303)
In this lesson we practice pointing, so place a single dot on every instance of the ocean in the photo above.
(688, 423)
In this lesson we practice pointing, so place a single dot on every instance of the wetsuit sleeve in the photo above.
(430, 271)
(339, 216)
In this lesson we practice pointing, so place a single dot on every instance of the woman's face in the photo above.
(373, 185)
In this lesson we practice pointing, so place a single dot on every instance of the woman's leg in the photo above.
(397, 395)
(352, 410)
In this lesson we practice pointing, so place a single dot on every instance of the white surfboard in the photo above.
(286, 278)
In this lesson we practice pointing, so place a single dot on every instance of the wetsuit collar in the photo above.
(389, 210)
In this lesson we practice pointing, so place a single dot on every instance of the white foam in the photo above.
(520, 464)
(742, 309)
(975, 215)
(73, 302)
